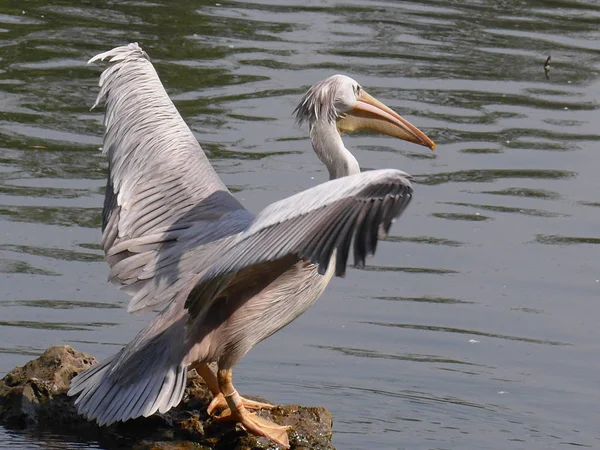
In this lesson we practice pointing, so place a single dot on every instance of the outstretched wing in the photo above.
(160, 182)
(312, 225)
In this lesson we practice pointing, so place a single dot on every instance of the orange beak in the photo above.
(370, 114)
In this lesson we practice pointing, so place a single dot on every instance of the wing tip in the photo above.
(120, 53)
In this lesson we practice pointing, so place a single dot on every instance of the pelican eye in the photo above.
(357, 90)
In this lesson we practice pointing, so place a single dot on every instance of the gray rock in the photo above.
(33, 397)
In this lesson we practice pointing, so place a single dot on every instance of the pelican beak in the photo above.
(370, 114)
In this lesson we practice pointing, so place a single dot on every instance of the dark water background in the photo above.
(474, 327)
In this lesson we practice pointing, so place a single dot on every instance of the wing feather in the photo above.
(312, 225)
(159, 180)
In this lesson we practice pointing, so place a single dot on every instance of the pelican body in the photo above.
(223, 278)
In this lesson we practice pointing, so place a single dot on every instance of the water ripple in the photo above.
(425, 240)
(438, 300)
(19, 350)
(555, 239)
(469, 74)
(62, 326)
(365, 353)
(58, 304)
(65, 216)
(525, 192)
(464, 331)
(22, 267)
(508, 209)
(487, 175)
(427, 398)
(45, 192)
(461, 216)
(56, 253)
(424, 270)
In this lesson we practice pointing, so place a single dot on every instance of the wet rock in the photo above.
(33, 398)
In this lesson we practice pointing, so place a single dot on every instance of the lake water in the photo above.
(476, 324)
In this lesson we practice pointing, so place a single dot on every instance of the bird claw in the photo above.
(219, 402)
(257, 425)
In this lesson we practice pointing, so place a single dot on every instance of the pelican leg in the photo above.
(209, 377)
(249, 421)
(219, 402)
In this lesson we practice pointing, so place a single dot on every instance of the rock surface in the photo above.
(33, 397)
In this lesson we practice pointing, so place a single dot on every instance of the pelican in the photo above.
(223, 278)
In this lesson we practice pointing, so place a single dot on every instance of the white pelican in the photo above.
(176, 239)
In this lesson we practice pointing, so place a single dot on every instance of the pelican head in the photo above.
(339, 104)
(341, 100)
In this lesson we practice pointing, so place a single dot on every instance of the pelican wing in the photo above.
(160, 183)
(311, 226)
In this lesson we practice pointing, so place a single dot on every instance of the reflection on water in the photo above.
(513, 175)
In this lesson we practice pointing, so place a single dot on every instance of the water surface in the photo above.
(475, 325)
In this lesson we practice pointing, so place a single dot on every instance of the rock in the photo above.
(33, 397)
(36, 393)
